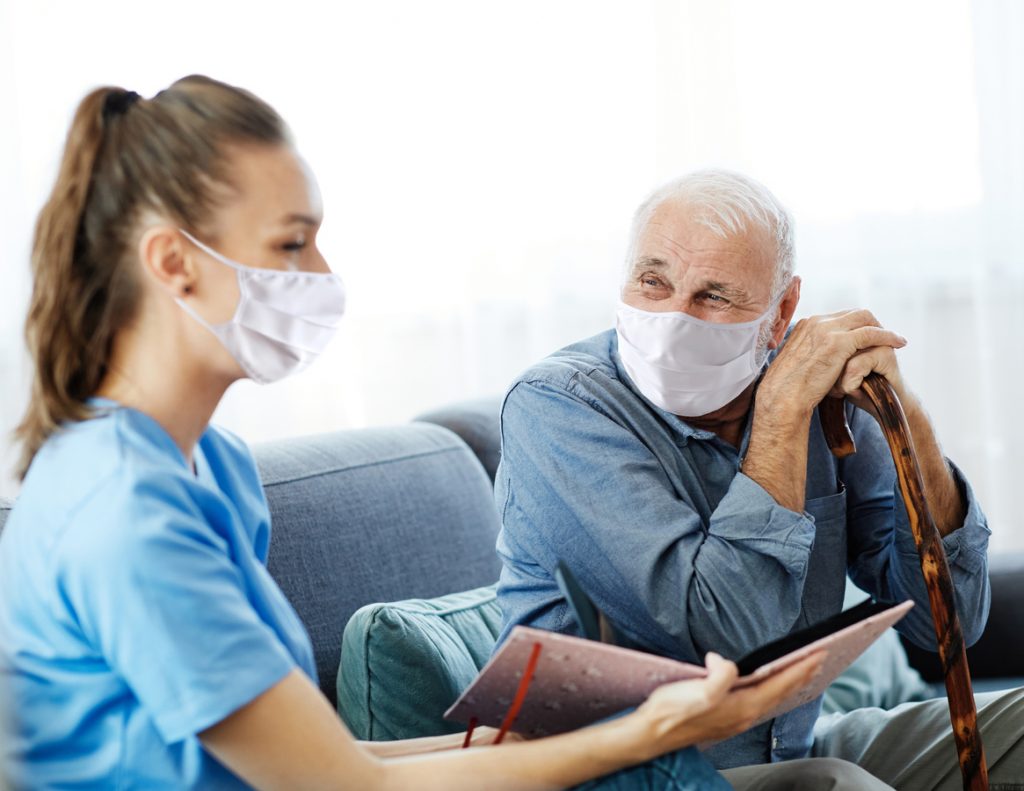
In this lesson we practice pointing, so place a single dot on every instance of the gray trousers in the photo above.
(810, 774)
(911, 747)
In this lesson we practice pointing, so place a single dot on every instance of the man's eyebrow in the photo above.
(305, 219)
(723, 288)
(649, 262)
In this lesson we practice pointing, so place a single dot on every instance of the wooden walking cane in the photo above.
(952, 651)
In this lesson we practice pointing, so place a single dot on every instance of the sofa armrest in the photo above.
(999, 652)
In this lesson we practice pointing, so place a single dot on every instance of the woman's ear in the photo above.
(165, 257)
(787, 308)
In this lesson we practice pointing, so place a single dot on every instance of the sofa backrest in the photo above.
(477, 422)
(374, 515)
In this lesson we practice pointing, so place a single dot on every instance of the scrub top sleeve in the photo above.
(160, 598)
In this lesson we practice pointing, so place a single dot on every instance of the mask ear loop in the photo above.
(517, 701)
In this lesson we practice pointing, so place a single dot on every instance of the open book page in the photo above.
(578, 682)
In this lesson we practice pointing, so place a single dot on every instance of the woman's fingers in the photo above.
(708, 710)
(775, 689)
(721, 675)
(695, 697)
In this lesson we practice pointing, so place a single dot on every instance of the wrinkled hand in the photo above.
(685, 713)
(830, 356)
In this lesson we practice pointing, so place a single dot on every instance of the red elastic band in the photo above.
(524, 686)
(469, 732)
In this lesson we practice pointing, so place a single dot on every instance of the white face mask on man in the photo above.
(688, 366)
(283, 322)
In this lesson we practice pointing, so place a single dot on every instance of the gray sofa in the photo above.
(404, 512)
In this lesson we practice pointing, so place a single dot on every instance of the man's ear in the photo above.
(165, 257)
(787, 308)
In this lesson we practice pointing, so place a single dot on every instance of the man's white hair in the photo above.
(727, 204)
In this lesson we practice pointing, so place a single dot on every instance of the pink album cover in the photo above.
(578, 682)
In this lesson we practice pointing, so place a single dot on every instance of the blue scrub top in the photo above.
(135, 607)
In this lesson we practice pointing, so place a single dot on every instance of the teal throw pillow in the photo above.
(403, 664)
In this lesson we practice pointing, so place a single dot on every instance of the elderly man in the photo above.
(677, 463)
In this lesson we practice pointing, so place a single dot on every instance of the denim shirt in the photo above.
(685, 553)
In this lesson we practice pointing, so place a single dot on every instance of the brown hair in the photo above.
(124, 156)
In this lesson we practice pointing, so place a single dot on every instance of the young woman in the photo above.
(142, 641)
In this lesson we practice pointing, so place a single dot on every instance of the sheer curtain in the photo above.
(480, 162)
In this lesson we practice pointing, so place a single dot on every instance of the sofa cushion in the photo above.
(403, 664)
(372, 515)
(478, 423)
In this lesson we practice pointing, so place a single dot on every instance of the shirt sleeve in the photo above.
(151, 581)
(580, 485)
(883, 557)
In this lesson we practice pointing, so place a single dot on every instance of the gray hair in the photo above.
(727, 204)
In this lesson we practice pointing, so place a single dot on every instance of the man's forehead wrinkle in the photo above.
(705, 243)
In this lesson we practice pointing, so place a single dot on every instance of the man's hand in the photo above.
(829, 355)
(823, 356)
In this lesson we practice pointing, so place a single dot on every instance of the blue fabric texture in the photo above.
(685, 553)
(137, 607)
(403, 664)
(685, 770)
(374, 515)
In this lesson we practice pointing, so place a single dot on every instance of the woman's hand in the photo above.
(686, 713)
(290, 737)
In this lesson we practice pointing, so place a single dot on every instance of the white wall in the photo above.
(480, 161)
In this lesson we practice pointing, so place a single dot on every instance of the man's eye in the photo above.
(294, 246)
(650, 281)
(716, 298)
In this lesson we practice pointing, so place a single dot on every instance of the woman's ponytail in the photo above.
(62, 329)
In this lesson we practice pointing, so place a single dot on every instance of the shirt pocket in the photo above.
(825, 582)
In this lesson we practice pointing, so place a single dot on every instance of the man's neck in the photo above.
(728, 422)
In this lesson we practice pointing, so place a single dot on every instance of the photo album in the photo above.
(541, 683)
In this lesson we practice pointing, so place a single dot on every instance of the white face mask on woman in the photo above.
(283, 322)
(685, 365)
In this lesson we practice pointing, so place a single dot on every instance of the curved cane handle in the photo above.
(952, 651)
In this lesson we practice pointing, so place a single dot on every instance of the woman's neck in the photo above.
(153, 376)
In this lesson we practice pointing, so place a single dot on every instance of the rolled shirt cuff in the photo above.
(967, 546)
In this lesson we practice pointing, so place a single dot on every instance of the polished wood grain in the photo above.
(952, 651)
